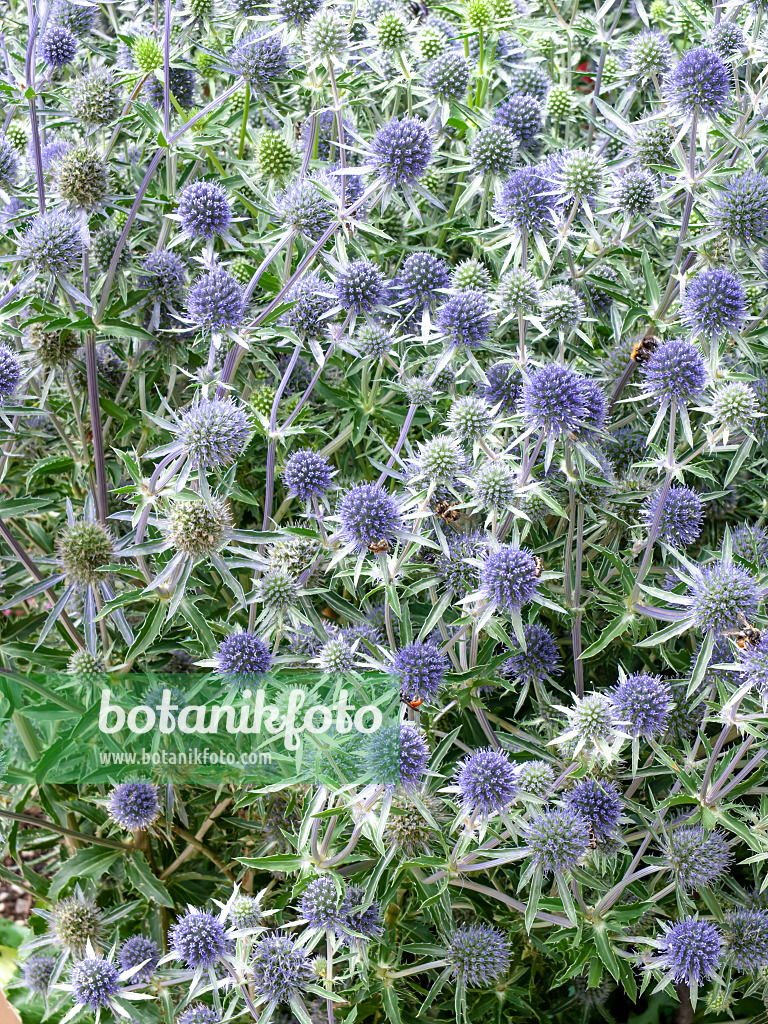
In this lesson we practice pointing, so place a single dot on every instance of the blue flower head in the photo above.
(479, 954)
(487, 782)
(204, 209)
(198, 938)
(397, 756)
(558, 839)
(243, 658)
(94, 982)
(216, 301)
(526, 201)
(306, 473)
(466, 319)
(540, 658)
(134, 805)
(690, 950)
(701, 82)
(715, 304)
(368, 515)
(509, 577)
(401, 150)
(644, 702)
(420, 669)
(598, 803)
(682, 517)
(675, 370)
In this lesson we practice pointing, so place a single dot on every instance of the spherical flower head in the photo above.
(397, 756)
(478, 954)
(432, 43)
(164, 277)
(336, 657)
(243, 658)
(447, 77)
(421, 278)
(420, 670)
(366, 921)
(746, 939)
(38, 971)
(455, 572)
(53, 242)
(648, 54)
(95, 99)
(52, 151)
(691, 950)
(675, 370)
(275, 156)
(519, 291)
(750, 542)
(487, 782)
(198, 939)
(94, 981)
(466, 319)
(392, 31)
(135, 951)
(715, 304)
(734, 405)
(558, 839)
(259, 59)
(470, 418)
(529, 81)
(86, 668)
(82, 177)
(82, 548)
(277, 590)
(754, 666)
(526, 201)
(493, 149)
(197, 529)
(76, 921)
(216, 300)
(494, 486)
(373, 340)
(182, 83)
(598, 803)
(644, 702)
(312, 299)
(651, 143)
(561, 309)
(58, 46)
(198, 1013)
(580, 175)
(321, 904)
(726, 39)
(418, 391)
(147, 53)
(10, 371)
(245, 913)
(553, 399)
(304, 208)
(78, 18)
(213, 432)
(360, 285)
(326, 35)
(306, 473)
(295, 12)
(696, 857)
(441, 459)
(401, 150)
(594, 718)
(540, 658)
(470, 276)
(741, 207)
(368, 516)
(509, 577)
(701, 81)
(721, 594)
(635, 192)
(103, 247)
(204, 209)
(681, 518)
(279, 969)
(503, 387)
(535, 778)
(134, 805)
(521, 115)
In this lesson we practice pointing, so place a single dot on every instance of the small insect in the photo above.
(643, 349)
(745, 637)
(539, 566)
(414, 704)
(298, 128)
(592, 837)
(447, 512)
(379, 546)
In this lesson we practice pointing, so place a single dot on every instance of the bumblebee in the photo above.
(745, 637)
(413, 704)
(447, 512)
(379, 547)
(539, 566)
(592, 837)
(643, 349)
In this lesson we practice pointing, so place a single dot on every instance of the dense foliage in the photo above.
(414, 353)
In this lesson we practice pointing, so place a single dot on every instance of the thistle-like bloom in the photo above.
(740, 210)
(598, 803)
(493, 149)
(540, 658)
(259, 59)
(312, 299)
(360, 285)
(321, 904)
(216, 301)
(715, 304)
(553, 399)
(701, 82)
(58, 46)
(164, 277)
(212, 432)
(593, 725)
(486, 781)
(75, 922)
(495, 485)
(577, 174)
(420, 669)
(690, 950)
(134, 805)
(336, 657)
(750, 542)
(746, 939)
(455, 572)
(675, 370)
(441, 459)
(696, 857)
(182, 83)
(526, 201)
(243, 658)
(198, 1013)
(681, 519)
(197, 529)
(521, 115)
(734, 405)
(307, 473)
(401, 151)
(78, 18)
(720, 594)
(727, 39)
(754, 666)
(519, 292)
(295, 12)
(368, 516)
(204, 209)
(535, 778)
(279, 969)
(644, 702)
(422, 278)
(198, 938)
(38, 971)
(326, 35)
(397, 756)
(479, 954)
(139, 950)
(561, 309)
(53, 242)
(509, 577)
(245, 913)
(94, 982)
(82, 548)
(466, 319)
(305, 209)
(529, 81)
(447, 77)
(557, 839)
(635, 192)
(648, 54)
(365, 921)
(503, 386)
(10, 372)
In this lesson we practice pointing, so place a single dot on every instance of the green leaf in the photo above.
(85, 864)
(280, 862)
(197, 621)
(148, 632)
(140, 874)
(616, 628)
